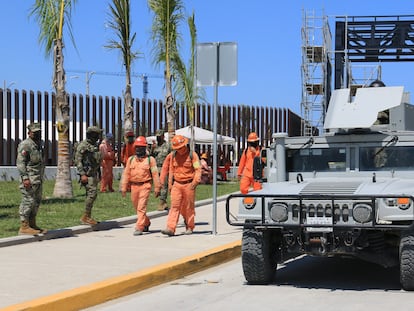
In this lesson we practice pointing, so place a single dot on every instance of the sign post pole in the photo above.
(216, 65)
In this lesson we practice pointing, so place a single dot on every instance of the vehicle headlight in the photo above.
(278, 212)
(401, 203)
(362, 212)
(249, 202)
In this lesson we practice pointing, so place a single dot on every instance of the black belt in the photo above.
(183, 182)
(139, 183)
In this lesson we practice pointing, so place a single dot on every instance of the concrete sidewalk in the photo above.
(82, 270)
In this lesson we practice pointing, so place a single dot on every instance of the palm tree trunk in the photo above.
(63, 184)
(192, 140)
(169, 106)
(128, 110)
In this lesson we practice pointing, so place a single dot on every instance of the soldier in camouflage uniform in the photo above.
(30, 165)
(160, 152)
(88, 163)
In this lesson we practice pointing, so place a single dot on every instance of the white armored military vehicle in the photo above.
(348, 192)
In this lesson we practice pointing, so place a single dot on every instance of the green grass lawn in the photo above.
(57, 213)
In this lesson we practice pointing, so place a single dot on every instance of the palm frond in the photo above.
(186, 89)
(165, 35)
(119, 21)
(47, 15)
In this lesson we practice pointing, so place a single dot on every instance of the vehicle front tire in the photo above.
(407, 261)
(259, 258)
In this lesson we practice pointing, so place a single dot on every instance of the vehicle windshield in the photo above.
(385, 158)
(318, 159)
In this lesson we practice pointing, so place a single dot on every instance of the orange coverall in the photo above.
(127, 151)
(138, 174)
(184, 174)
(245, 171)
(108, 160)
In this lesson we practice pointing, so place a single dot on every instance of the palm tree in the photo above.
(168, 14)
(52, 16)
(185, 87)
(120, 22)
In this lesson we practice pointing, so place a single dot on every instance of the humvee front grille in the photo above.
(320, 211)
(339, 211)
(344, 188)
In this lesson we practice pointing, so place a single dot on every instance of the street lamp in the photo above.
(89, 75)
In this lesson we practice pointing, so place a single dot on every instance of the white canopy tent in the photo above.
(201, 136)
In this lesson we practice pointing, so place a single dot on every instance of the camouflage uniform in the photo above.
(160, 153)
(88, 161)
(30, 166)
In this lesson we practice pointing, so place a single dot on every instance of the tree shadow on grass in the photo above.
(58, 200)
(8, 206)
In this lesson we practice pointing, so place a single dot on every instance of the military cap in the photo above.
(34, 127)
(159, 133)
(94, 129)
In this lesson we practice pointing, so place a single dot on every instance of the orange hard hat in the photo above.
(204, 156)
(179, 141)
(141, 141)
(252, 137)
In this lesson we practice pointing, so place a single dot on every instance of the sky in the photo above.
(267, 34)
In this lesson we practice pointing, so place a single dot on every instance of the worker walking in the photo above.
(30, 166)
(139, 172)
(127, 150)
(88, 164)
(108, 160)
(184, 173)
(245, 171)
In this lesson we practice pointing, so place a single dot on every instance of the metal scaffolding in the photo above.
(371, 40)
(316, 71)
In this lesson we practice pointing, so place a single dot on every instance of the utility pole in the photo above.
(89, 75)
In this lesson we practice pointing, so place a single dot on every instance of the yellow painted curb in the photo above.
(100, 292)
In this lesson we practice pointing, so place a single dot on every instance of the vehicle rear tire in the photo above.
(259, 258)
(407, 261)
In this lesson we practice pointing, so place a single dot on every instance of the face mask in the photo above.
(253, 144)
(37, 136)
(93, 137)
(182, 150)
(141, 152)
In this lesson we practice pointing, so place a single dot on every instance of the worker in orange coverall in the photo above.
(127, 150)
(245, 171)
(108, 161)
(184, 175)
(206, 171)
(140, 171)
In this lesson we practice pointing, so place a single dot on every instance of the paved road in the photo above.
(51, 267)
(307, 283)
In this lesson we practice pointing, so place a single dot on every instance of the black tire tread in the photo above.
(407, 262)
(258, 260)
